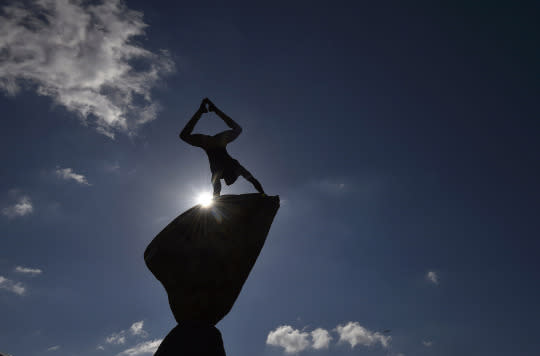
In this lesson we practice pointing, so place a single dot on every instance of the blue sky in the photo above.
(402, 140)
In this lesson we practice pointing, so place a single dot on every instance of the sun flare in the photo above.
(205, 199)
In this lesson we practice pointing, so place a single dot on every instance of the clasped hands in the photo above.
(204, 103)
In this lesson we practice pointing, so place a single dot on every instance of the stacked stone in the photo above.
(203, 258)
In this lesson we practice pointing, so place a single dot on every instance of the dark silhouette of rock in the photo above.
(192, 339)
(204, 256)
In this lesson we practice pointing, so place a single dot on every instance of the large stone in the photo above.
(192, 339)
(204, 256)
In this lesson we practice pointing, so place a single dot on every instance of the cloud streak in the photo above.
(144, 348)
(82, 55)
(119, 338)
(28, 271)
(11, 286)
(68, 174)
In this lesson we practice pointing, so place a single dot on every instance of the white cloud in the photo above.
(27, 270)
(117, 338)
(330, 187)
(137, 329)
(22, 207)
(427, 343)
(14, 287)
(144, 348)
(68, 174)
(112, 167)
(433, 277)
(54, 348)
(82, 55)
(120, 337)
(356, 334)
(321, 338)
(290, 339)
(294, 340)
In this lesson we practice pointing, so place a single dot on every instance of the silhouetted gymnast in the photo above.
(222, 165)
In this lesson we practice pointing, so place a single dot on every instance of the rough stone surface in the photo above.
(204, 256)
(192, 339)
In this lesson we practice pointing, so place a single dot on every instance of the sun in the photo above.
(205, 199)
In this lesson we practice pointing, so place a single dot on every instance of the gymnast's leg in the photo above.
(256, 184)
(249, 177)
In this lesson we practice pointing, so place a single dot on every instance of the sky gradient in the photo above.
(402, 140)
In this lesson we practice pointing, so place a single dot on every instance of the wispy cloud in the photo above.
(144, 348)
(68, 174)
(14, 287)
(432, 277)
(112, 167)
(82, 55)
(22, 207)
(292, 340)
(54, 348)
(116, 338)
(119, 338)
(427, 343)
(28, 271)
(330, 187)
(137, 329)
(355, 334)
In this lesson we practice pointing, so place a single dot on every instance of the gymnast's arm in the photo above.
(229, 135)
(186, 134)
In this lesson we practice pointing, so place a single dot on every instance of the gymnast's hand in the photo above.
(203, 108)
(211, 106)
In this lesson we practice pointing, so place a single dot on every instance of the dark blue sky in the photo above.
(402, 139)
